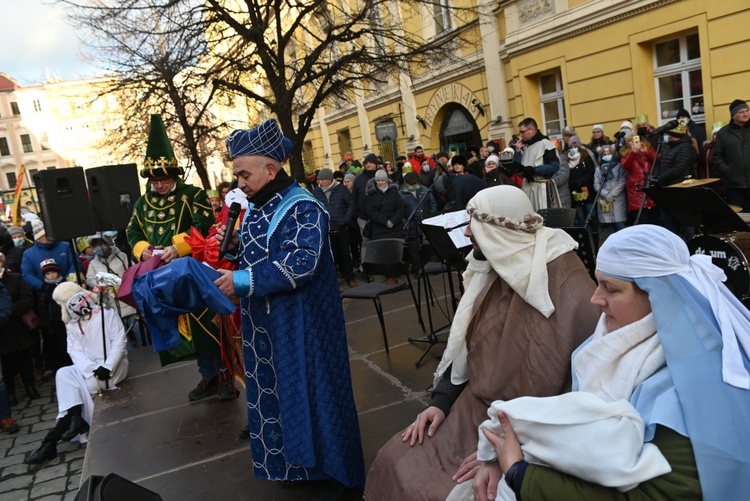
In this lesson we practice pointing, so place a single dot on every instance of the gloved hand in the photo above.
(102, 373)
(389, 224)
(528, 173)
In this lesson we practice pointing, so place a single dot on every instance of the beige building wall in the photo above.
(601, 51)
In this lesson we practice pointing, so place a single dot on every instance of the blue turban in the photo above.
(267, 140)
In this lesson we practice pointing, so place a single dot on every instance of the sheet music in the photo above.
(455, 223)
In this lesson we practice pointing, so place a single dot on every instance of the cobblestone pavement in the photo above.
(58, 479)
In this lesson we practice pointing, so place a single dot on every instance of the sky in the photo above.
(35, 39)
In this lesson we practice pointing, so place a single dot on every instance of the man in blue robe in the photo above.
(301, 415)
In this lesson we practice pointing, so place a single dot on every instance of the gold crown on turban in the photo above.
(641, 118)
(680, 129)
(212, 193)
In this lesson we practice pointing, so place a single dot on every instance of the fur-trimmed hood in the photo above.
(372, 186)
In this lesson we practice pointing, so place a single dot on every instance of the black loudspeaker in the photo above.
(64, 202)
(113, 488)
(113, 190)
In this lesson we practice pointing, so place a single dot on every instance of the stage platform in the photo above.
(149, 433)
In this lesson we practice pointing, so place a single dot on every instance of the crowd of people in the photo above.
(657, 343)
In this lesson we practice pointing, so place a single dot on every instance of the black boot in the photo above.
(47, 451)
(28, 382)
(77, 424)
(32, 392)
(13, 399)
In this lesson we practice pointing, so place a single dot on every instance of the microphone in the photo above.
(664, 128)
(234, 213)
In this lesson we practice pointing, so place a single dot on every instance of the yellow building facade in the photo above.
(563, 62)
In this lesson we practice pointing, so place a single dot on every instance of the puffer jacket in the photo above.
(383, 208)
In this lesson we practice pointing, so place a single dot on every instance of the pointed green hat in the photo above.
(160, 159)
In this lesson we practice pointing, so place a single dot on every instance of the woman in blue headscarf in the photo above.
(672, 342)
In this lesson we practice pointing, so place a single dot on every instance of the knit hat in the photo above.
(717, 128)
(492, 158)
(371, 158)
(37, 228)
(597, 127)
(683, 113)
(266, 140)
(380, 175)
(49, 265)
(325, 174)
(627, 124)
(574, 141)
(15, 230)
(569, 131)
(350, 177)
(442, 154)
(411, 178)
(737, 105)
(160, 159)
(459, 159)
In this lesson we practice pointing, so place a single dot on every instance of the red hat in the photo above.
(49, 265)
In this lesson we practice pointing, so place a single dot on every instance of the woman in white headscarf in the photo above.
(672, 344)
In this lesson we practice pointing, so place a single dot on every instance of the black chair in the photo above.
(384, 257)
(558, 217)
(585, 249)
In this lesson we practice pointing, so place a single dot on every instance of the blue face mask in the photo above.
(606, 158)
(101, 250)
(425, 168)
(18, 242)
(573, 152)
(412, 188)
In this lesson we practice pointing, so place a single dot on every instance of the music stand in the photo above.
(448, 253)
(698, 207)
(585, 249)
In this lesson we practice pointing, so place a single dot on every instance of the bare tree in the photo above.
(155, 50)
(292, 56)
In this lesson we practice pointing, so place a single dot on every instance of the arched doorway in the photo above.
(458, 130)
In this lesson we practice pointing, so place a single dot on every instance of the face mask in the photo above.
(101, 250)
(642, 131)
(606, 158)
(112, 234)
(18, 242)
(425, 168)
(399, 164)
(573, 152)
(626, 130)
(666, 138)
(412, 188)
(490, 148)
(684, 121)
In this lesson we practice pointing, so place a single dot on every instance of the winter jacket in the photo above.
(676, 162)
(385, 210)
(582, 175)
(426, 208)
(14, 336)
(732, 155)
(34, 255)
(341, 210)
(637, 165)
(359, 192)
(612, 193)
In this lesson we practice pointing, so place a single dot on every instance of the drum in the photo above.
(730, 252)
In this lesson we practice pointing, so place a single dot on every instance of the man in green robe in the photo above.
(161, 220)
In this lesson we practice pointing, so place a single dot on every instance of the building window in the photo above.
(14, 108)
(26, 143)
(37, 105)
(679, 80)
(345, 141)
(11, 177)
(553, 103)
(308, 155)
(4, 150)
(441, 16)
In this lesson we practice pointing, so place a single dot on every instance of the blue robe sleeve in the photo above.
(301, 234)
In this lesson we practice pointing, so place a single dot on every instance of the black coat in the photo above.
(383, 207)
(677, 161)
(732, 155)
(14, 336)
(340, 205)
(359, 192)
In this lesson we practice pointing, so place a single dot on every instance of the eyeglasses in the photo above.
(521, 131)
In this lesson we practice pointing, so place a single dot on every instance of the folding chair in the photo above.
(384, 257)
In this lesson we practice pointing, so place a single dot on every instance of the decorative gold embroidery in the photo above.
(150, 229)
(150, 213)
(171, 198)
(161, 215)
(171, 211)
(160, 231)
